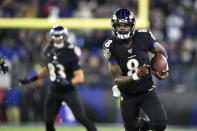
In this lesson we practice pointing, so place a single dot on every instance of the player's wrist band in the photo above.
(135, 77)
(34, 78)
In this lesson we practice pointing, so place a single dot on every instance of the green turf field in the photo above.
(69, 128)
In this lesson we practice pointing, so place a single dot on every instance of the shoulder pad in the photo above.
(146, 32)
(107, 48)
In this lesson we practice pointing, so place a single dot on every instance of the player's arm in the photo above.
(160, 49)
(42, 74)
(121, 80)
(155, 47)
(78, 77)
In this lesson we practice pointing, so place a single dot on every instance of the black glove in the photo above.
(63, 81)
(27, 81)
(4, 67)
(24, 81)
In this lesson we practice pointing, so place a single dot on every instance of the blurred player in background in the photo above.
(127, 55)
(3, 66)
(62, 60)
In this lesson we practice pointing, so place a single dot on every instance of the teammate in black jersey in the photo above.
(127, 55)
(65, 73)
(3, 66)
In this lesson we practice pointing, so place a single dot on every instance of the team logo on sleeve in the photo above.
(77, 51)
(107, 53)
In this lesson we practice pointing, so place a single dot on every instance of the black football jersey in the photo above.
(62, 62)
(131, 58)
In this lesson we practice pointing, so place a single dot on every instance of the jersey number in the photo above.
(107, 44)
(142, 30)
(52, 72)
(132, 66)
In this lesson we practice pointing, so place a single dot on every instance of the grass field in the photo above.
(69, 128)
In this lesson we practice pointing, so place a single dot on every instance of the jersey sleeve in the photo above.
(108, 51)
(75, 65)
(75, 54)
(150, 40)
(74, 60)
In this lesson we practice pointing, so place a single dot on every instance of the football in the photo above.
(158, 63)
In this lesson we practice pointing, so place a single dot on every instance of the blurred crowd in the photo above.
(173, 22)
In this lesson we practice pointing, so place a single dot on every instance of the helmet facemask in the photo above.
(123, 17)
(58, 36)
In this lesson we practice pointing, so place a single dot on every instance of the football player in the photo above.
(127, 55)
(62, 66)
(3, 66)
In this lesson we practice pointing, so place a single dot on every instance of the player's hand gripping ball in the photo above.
(159, 66)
